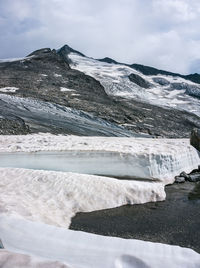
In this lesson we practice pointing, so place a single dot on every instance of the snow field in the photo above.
(80, 250)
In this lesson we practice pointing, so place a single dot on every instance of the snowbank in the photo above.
(134, 157)
(55, 197)
(79, 249)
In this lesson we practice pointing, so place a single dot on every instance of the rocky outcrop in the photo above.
(108, 60)
(138, 80)
(13, 126)
(192, 90)
(64, 52)
(195, 139)
(193, 176)
(161, 81)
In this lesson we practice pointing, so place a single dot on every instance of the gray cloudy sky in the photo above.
(159, 33)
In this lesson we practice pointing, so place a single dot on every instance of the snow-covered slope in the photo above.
(55, 197)
(16, 59)
(81, 250)
(134, 157)
(162, 90)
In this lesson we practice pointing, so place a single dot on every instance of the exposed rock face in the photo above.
(138, 80)
(108, 60)
(191, 90)
(64, 52)
(13, 126)
(179, 179)
(161, 81)
(193, 176)
(195, 139)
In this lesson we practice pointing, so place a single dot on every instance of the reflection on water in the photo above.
(195, 193)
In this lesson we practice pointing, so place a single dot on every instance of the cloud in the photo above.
(160, 33)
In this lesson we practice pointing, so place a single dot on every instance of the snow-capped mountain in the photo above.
(130, 98)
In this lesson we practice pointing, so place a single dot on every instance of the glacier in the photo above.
(80, 250)
(151, 159)
(163, 90)
(47, 116)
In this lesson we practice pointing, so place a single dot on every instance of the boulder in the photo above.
(184, 175)
(194, 177)
(138, 80)
(195, 138)
(179, 179)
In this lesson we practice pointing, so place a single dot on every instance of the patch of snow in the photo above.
(64, 89)
(147, 109)
(44, 75)
(148, 125)
(58, 75)
(135, 157)
(54, 197)
(79, 249)
(128, 125)
(75, 94)
(9, 89)
(16, 59)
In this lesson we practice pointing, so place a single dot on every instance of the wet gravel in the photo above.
(174, 221)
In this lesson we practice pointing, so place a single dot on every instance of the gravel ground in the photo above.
(175, 221)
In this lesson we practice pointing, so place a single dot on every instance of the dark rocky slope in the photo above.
(195, 139)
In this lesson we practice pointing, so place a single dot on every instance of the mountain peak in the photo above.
(67, 49)
(108, 60)
(40, 52)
